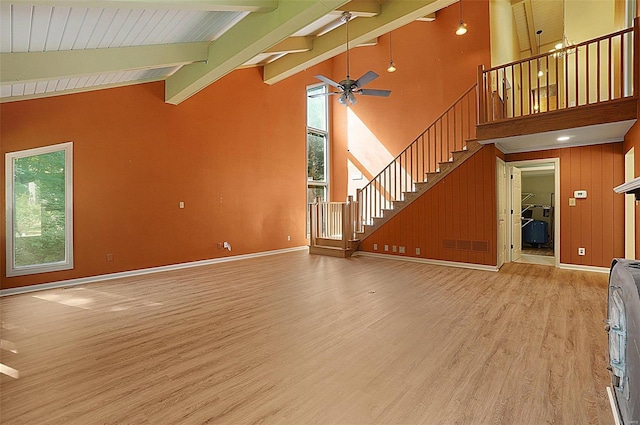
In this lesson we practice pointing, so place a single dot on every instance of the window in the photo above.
(317, 144)
(39, 206)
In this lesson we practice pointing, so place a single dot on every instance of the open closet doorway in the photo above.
(534, 219)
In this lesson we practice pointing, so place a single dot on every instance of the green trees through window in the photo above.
(38, 231)
(317, 144)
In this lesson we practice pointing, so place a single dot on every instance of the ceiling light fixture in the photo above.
(392, 66)
(563, 138)
(462, 27)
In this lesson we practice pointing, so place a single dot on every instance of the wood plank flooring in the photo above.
(302, 339)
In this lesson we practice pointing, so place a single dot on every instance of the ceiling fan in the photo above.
(348, 87)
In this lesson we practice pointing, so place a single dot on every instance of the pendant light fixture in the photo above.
(540, 73)
(392, 66)
(462, 27)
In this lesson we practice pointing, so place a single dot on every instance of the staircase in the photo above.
(337, 228)
(440, 149)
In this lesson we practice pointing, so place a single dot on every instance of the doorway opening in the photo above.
(534, 219)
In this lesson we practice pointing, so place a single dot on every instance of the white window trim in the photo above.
(326, 133)
(67, 264)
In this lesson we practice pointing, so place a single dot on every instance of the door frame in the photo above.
(557, 204)
(629, 208)
(501, 197)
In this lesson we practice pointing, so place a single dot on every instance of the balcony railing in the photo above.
(588, 73)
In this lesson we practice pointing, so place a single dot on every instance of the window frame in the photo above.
(67, 263)
(325, 183)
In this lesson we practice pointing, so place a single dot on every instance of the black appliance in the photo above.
(623, 326)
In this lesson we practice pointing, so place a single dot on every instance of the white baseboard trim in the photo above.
(584, 268)
(427, 261)
(140, 272)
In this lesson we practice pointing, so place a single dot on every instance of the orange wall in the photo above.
(597, 222)
(234, 153)
(435, 67)
(461, 207)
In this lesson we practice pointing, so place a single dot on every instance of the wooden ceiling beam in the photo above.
(393, 15)
(248, 38)
(42, 66)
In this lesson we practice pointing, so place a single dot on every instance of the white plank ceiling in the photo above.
(55, 47)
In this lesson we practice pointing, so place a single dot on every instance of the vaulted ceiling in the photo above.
(54, 47)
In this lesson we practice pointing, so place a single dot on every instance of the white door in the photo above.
(501, 179)
(516, 214)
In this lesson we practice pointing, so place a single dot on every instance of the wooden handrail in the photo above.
(590, 72)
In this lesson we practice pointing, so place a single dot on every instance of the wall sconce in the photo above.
(392, 67)
(462, 27)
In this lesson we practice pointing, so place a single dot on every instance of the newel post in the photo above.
(481, 96)
(360, 217)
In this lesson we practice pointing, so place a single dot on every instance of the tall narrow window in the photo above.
(317, 144)
(39, 210)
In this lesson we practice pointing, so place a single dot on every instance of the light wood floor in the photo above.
(298, 339)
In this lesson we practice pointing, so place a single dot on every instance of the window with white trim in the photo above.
(317, 143)
(39, 209)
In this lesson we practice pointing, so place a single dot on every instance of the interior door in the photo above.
(501, 179)
(516, 214)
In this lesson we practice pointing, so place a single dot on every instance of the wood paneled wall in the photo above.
(597, 222)
(454, 221)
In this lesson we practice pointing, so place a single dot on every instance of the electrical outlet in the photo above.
(402, 250)
(375, 246)
(581, 251)
(219, 245)
(386, 248)
(109, 258)
(417, 251)
(288, 237)
(181, 204)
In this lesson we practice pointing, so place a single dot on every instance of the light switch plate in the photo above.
(580, 194)
(572, 202)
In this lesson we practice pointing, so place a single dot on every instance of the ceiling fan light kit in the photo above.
(348, 87)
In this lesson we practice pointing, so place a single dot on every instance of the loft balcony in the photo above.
(589, 88)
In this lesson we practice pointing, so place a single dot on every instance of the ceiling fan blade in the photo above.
(366, 78)
(328, 81)
(374, 92)
(324, 94)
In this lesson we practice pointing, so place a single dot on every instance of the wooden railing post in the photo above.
(360, 217)
(481, 96)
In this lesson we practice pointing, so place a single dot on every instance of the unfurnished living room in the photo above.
(319, 211)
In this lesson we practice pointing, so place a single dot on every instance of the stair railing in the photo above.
(448, 133)
(333, 220)
(591, 72)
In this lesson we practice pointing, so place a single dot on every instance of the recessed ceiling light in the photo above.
(563, 138)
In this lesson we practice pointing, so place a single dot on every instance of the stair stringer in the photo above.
(458, 158)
